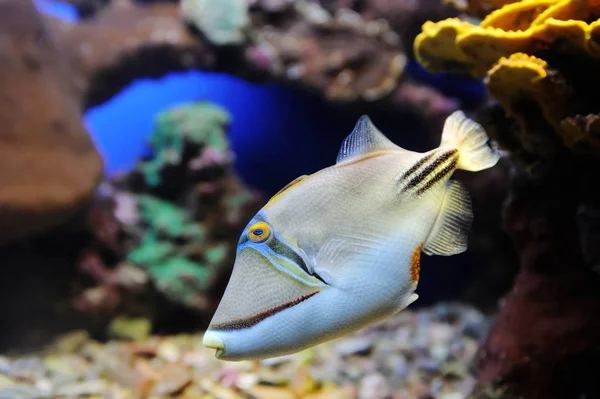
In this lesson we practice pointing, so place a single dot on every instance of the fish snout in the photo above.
(212, 340)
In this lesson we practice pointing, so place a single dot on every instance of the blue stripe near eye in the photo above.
(267, 252)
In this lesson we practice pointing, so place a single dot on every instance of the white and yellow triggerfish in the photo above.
(337, 250)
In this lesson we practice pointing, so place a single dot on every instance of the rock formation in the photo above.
(539, 59)
(49, 167)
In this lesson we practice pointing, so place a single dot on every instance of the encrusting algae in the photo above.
(539, 58)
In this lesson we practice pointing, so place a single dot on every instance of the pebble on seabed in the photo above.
(414, 354)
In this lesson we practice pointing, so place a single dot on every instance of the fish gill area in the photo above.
(108, 280)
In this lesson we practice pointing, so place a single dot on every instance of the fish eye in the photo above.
(259, 232)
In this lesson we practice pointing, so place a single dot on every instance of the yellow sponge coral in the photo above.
(530, 26)
(539, 58)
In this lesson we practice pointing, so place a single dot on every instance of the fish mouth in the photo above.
(213, 341)
(248, 322)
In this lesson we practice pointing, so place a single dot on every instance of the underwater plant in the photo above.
(540, 61)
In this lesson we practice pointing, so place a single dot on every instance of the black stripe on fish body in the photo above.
(416, 166)
(439, 176)
(429, 169)
(248, 322)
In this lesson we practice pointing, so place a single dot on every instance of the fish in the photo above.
(340, 249)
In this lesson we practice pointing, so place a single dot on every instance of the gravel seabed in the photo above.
(419, 354)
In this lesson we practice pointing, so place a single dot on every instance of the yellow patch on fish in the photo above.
(286, 187)
(415, 263)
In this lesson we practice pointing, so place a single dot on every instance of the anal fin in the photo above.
(450, 231)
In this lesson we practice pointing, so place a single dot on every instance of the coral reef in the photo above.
(110, 49)
(223, 22)
(352, 53)
(202, 124)
(302, 41)
(539, 59)
(178, 214)
(347, 53)
(156, 243)
(49, 167)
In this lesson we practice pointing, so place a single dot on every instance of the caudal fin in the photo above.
(471, 141)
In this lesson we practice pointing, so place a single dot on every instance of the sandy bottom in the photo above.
(415, 354)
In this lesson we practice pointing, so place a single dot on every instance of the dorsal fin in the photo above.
(364, 139)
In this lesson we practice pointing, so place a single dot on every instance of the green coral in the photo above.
(177, 251)
(168, 219)
(199, 123)
(151, 250)
(216, 254)
(223, 22)
(179, 277)
(186, 252)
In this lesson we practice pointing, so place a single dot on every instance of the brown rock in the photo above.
(126, 42)
(172, 379)
(355, 55)
(144, 378)
(336, 53)
(49, 167)
(544, 343)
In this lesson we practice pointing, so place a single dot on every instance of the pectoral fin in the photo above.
(406, 302)
(413, 297)
(450, 231)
